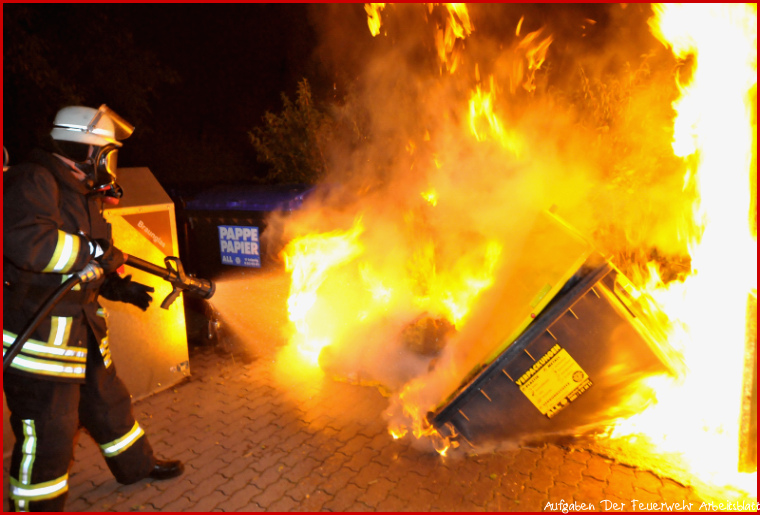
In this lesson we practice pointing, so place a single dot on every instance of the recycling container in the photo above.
(222, 229)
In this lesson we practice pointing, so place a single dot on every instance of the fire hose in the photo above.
(174, 273)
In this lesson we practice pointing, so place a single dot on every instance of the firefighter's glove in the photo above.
(108, 256)
(124, 289)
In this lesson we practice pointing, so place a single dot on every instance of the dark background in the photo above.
(196, 78)
(193, 78)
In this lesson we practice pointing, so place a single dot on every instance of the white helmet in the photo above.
(97, 127)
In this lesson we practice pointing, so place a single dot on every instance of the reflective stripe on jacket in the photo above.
(48, 218)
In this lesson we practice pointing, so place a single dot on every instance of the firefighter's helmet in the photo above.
(97, 127)
(91, 138)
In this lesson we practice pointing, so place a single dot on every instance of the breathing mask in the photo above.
(100, 170)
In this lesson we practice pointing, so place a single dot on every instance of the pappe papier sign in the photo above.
(239, 246)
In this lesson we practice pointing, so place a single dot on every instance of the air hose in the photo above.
(173, 273)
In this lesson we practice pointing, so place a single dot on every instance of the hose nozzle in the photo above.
(202, 287)
(175, 274)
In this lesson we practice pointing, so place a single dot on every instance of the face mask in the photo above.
(100, 169)
(104, 164)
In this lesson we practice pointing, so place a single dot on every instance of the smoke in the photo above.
(586, 135)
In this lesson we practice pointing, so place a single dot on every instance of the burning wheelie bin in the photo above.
(559, 366)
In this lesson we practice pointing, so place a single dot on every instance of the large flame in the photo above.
(334, 287)
(354, 291)
(309, 259)
(698, 417)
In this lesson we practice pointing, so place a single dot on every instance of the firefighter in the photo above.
(64, 377)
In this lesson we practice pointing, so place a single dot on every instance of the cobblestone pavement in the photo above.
(250, 444)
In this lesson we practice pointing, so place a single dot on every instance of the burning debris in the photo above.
(484, 183)
(426, 335)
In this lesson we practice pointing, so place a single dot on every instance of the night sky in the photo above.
(196, 78)
(192, 78)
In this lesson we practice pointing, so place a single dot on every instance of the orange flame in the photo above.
(458, 27)
(706, 312)
(701, 319)
(535, 55)
(373, 17)
(534, 50)
(482, 108)
(431, 196)
(309, 259)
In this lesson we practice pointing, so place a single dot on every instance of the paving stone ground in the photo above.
(254, 439)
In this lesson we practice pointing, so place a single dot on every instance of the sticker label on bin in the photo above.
(554, 381)
(239, 246)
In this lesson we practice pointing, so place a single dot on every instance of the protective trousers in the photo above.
(46, 417)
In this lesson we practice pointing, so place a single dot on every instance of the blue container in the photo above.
(223, 228)
(247, 198)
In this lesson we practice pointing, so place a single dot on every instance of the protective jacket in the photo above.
(63, 377)
(49, 217)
